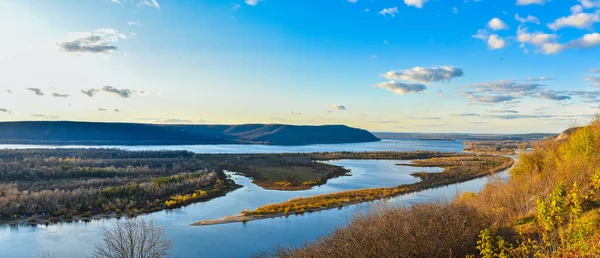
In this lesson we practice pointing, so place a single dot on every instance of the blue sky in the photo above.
(385, 65)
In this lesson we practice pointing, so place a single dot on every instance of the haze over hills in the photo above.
(464, 136)
(88, 133)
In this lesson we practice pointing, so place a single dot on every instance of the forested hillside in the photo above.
(93, 133)
(549, 207)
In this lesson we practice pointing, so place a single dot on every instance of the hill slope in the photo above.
(65, 132)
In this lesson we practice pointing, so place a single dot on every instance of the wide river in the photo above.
(237, 239)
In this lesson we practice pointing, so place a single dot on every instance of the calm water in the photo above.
(384, 145)
(241, 240)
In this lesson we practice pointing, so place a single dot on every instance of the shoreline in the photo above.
(48, 220)
(410, 188)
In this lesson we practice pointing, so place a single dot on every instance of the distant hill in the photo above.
(465, 136)
(93, 133)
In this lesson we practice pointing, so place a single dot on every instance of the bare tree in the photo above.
(133, 238)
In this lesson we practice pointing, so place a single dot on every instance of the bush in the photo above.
(423, 230)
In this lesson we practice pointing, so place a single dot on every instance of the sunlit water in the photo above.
(241, 240)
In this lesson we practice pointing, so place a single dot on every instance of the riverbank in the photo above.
(451, 175)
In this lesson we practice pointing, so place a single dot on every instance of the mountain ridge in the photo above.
(117, 133)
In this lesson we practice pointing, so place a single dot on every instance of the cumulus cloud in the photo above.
(527, 19)
(292, 113)
(117, 110)
(101, 109)
(497, 24)
(4, 110)
(58, 95)
(590, 3)
(90, 92)
(547, 43)
(528, 2)
(389, 11)
(425, 75)
(124, 93)
(576, 20)
(587, 41)
(493, 41)
(415, 3)
(543, 42)
(98, 41)
(337, 107)
(496, 42)
(36, 91)
(132, 23)
(252, 2)
(402, 88)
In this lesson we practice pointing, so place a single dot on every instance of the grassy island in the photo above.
(458, 168)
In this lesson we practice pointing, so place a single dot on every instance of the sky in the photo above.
(477, 66)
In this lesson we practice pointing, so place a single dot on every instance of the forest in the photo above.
(51, 185)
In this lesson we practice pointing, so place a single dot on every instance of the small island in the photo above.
(458, 168)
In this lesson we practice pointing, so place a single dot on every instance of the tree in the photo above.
(133, 238)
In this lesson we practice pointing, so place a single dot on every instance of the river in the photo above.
(237, 239)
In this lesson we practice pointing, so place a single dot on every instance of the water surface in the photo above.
(237, 239)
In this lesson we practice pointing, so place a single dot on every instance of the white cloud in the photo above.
(454, 10)
(576, 20)
(252, 2)
(352, 1)
(402, 88)
(587, 41)
(577, 8)
(529, 18)
(590, 3)
(98, 41)
(415, 3)
(496, 42)
(536, 38)
(493, 41)
(391, 11)
(132, 23)
(151, 3)
(544, 43)
(528, 2)
(497, 24)
(337, 107)
(425, 75)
